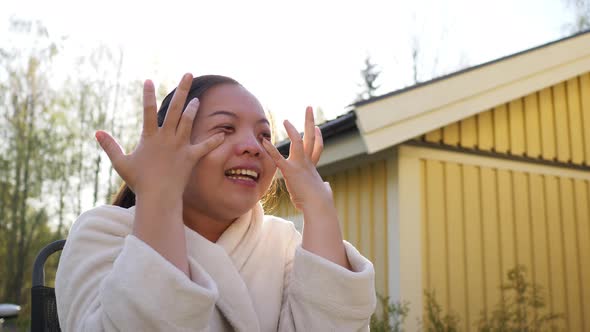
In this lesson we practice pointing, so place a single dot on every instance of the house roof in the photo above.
(387, 120)
(462, 71)
(398, 116)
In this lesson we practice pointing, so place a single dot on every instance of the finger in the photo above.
(111, 147)
(150, 108)
(309, 133)
(274, 154)
(296, 148)
(186, 120)
(200, 149)
(177, 104)
(327, 185)
(318, 146)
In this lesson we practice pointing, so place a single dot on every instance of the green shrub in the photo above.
(392, 316)
(521, 308)
(436, 320)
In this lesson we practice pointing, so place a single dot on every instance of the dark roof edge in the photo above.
(440, 78)
(329, 129)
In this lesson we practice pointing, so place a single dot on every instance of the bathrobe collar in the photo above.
(224, 260)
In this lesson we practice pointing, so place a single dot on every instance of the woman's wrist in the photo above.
(320, 201)
(159, 198)
(158, 222)
(322, 208)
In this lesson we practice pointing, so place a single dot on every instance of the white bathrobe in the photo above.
(255, 278)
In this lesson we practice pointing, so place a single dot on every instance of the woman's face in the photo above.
(230, 180)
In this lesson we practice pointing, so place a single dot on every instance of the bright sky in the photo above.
(297, 53)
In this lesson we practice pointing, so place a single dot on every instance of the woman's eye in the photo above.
(226, 128)
(266, 136)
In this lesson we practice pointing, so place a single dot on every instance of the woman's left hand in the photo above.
(309, 193)
(303, 181)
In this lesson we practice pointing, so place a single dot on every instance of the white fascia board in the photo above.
(392, 120)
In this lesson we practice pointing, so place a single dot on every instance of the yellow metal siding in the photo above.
(585, 111)
(468, 133)
(516, 124)
(451, 134)
(551, 124)
(479, 222)
(561, 122)
(575, 120)
(485, 131)
(547, 125)
(532, 125)
(491, 260)
(360, 196)
(501, 129)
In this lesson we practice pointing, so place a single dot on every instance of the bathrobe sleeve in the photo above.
(109, 280)
(323, 296)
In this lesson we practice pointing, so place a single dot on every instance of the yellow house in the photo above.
(448, 184)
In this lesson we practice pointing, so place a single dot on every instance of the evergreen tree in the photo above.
(581, 11)
(370, 73)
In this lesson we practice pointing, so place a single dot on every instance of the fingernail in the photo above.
(194, 101)
(99, 136)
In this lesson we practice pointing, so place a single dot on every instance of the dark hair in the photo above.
(125, 197)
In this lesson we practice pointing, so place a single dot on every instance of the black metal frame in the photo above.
(39, 265)
(42, 297)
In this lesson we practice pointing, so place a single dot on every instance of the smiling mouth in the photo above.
(242, 174)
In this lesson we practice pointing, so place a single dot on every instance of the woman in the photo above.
(187, 246)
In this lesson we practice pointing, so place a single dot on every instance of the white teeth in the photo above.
(247, 172)
(239, 177)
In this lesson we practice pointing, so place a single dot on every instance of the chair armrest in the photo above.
(38, 267)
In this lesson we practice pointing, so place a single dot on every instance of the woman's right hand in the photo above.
(164, 158)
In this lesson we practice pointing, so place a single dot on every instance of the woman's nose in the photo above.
(249, 145)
